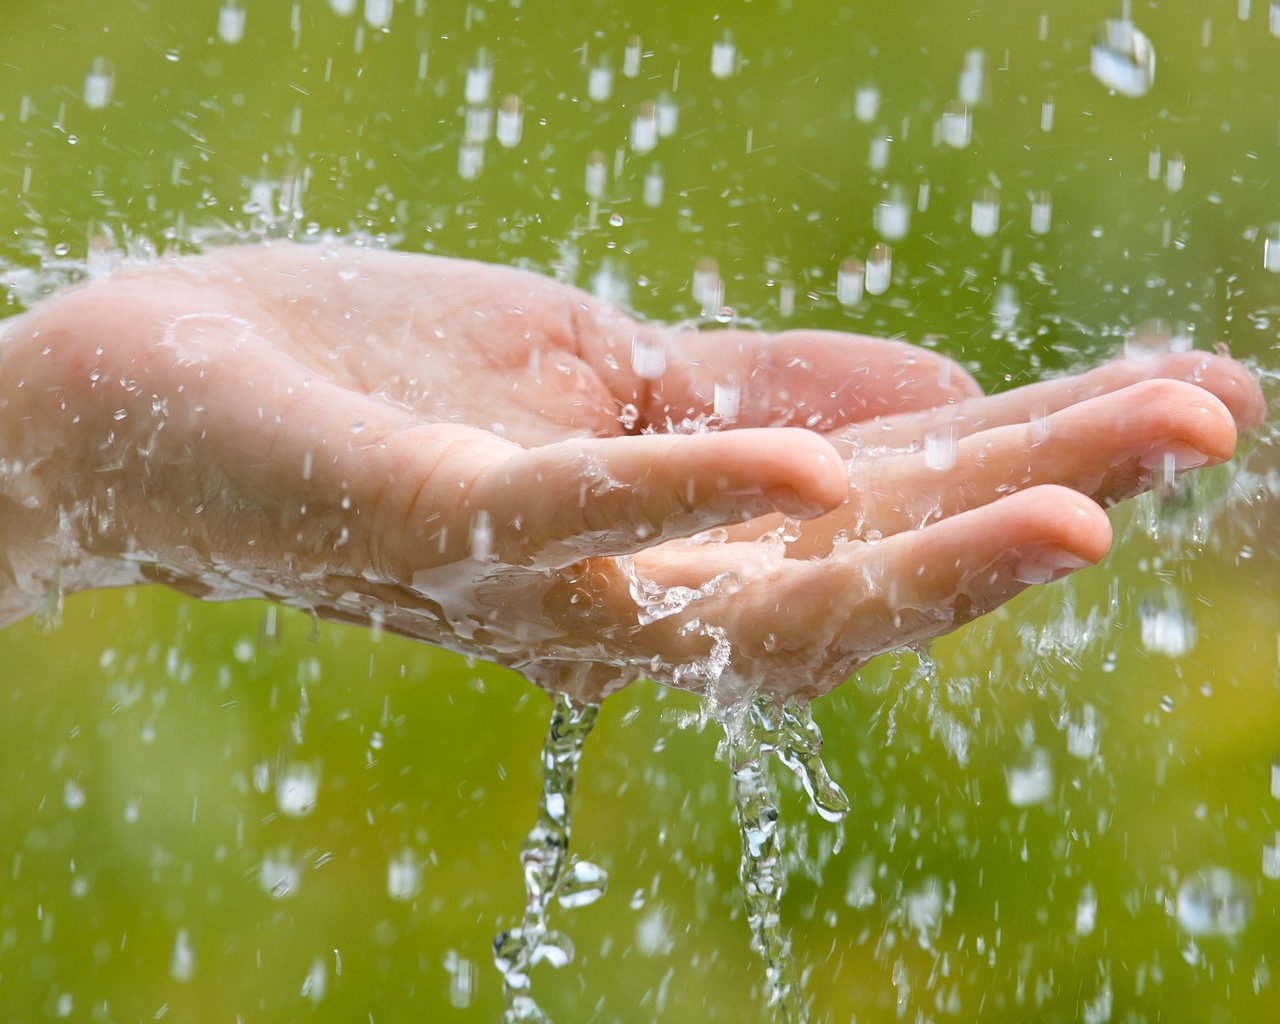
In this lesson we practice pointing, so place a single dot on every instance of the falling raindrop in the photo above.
(1122, 58)
(849, 280)
(957, 125)
(470, 159)
(1031, 780)
(99, 84)
(378, 13)
(668, 116)
(973, 78)
(878, 154)
(510, 121)
(479, 80)
(653, 185)
(596, 176)
(1046, 114)
(182, 963)
(296, 790)
(631, 57)
(940, 448)
(724, 56)
(866, 103)
(1174, 172)
(879, 269)
(600, 81)
(231, 19)
(644, 128)
(984, 217)
(1168, 627)
(1041, 213)
(1213, 902)
(892, 215)
(1271, 249)
(404, 876)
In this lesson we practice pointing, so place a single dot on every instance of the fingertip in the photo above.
(816, 478)
(1069, 520)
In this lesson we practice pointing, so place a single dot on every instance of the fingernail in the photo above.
(1176, 456)
(1047, 563)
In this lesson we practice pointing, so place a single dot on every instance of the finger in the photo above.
(559, 503)
(815, 379)
(1229, 381)
(803, 626)
(1110, 448)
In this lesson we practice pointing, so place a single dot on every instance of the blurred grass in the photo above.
(142, 705)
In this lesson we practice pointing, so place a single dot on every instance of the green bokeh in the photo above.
(144, 736)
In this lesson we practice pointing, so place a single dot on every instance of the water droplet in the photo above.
(644, 128)
(99, 84)
(1005, 307)
(786, 299)
(1213, 902)
(73, 796)
(725, 402)
(182, 963)
(404, 876)
(597, 175)
(510, 121)
(1167, 624)
(279, 874)
(849, 281)
(583, 883)
(972, 85)
(470, 159)
(879, 269)
(600, 82)
(1031, 780)
(1082, 735)
(481, 537)
(957, 125)
(892, 215)
(631, 57)
(378, 12)
(316, 981)
(984, 218)
(479, 121)
(724, 56)
(296, 790)
(940, 448)
(1087, 911)
(653, 186)
(878, 154)
(231, 19)
(1174, 172)
(708, 289)
(648, 357)
(1271, 249)
(1153, 339)
(1046, 114)
(479, 80)
(1041, 213)
(344, 8)
(866, 103)
(1123, 58)
(668, 116)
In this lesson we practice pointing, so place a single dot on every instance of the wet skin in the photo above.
(466, 454)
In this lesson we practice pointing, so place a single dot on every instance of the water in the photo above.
(754, 732)
(1122, 58)
(866, 103)
(418, 745)
(1213, 903)
(957, 125)
(984, 216)
(849, 282)
(879, 269)
(99, 84)
(724, 56)
(510, 122)
(549, 872)
(231, 20)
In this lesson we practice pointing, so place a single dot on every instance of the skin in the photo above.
(466, 454)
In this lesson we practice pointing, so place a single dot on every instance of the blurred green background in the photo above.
(1059, 827)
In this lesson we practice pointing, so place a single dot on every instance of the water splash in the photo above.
(754, 732)
(548, 870)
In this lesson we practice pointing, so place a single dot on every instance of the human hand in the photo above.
(484, 459)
